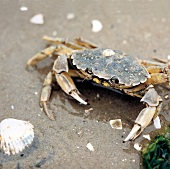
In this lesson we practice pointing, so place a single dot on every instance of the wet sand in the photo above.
(139, 28)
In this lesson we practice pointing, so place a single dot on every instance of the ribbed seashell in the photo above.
(15, 135)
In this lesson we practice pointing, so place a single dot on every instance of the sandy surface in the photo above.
(140, 28)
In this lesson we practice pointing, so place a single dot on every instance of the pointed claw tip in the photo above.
(126, 139)
(85, 103)
(51, 117)
(49, 114)
(78, 98)
(30, 67)
(136, 130)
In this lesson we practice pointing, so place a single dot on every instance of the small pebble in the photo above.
(124, 159)
(157, 123)
(98, 96)
(117, 124)
(137, 146)
(12, 107)
(88, 110)
(70, 16)
(108, 52)
(147, 136)
(23, 8)
(96, 26)
(166, 96)
(90, 147)
(37, 19)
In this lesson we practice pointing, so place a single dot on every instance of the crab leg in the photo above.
(148, 63)
(47, 52)
(85, 43)
(45, 94)
(62, 41)
(61, 72)
(159, 74)
(153, 107)
(41, 55)
(80, 43)
(68, 86)
(64, 80)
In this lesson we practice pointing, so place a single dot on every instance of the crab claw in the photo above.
(76, 96)
(68, 86)
(142, 121)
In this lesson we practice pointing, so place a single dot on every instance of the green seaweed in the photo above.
(157, 154)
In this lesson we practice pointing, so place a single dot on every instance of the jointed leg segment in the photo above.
(158, 71)
(153, 106)
(79, 43)
(60, 71)
(45, 94)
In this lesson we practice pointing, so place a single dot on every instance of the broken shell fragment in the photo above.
(137, 146)
(70, 16)
(117, 124)
(37, 19)
(88, 110)
(157, 123)
(90, 147)
(147, 136)
(15, 135)
(96, 26)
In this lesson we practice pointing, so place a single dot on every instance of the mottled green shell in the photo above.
(111, 65)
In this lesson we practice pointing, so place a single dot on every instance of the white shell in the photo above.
(137, 146)
(117, 124)
(37, 19)
(90, 147)
(70, 16)
(157, 123)
(15, 135)
(96, 26)
(147, 136)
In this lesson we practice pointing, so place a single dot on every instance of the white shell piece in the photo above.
(157, 123)
(90, 147)
(96, 26)
(137, 146)
(117, 124)
(108, 52)
(23, 8)
(147, 136)
(15, 135)
(37, 19)
(70, 16)
(168, 57)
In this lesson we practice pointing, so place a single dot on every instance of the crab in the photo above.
(106, 67)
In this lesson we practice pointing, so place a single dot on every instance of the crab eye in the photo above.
(115, 80)
(89, 70)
